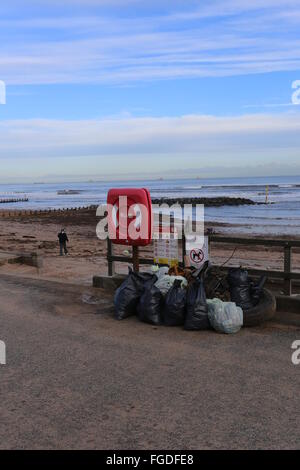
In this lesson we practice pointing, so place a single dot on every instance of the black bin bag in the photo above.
(128, 294)
(150, 306)
(240, 288)
(196, 307)
(175, 305)
(257, 290)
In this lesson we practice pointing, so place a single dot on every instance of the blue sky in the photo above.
(146, 88)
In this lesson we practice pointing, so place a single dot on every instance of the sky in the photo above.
(147, 88)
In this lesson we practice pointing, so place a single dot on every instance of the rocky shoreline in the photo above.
(207, 201)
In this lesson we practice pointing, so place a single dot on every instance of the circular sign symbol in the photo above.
(197, 255)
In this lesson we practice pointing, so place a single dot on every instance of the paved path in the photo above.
(76, 379)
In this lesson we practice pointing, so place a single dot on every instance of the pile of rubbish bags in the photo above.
(195, 299)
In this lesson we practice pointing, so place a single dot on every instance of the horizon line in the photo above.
(90, 180)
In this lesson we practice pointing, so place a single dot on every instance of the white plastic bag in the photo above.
(224, 317)
(162, 271)
(165, 283)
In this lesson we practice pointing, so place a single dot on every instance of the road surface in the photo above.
(75, 378)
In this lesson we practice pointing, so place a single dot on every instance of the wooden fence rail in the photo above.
(286, 274)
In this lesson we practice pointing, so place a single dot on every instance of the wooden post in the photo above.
(183, 243)
(267, 194)
(287, 269)
(135, 259)
(110, 263)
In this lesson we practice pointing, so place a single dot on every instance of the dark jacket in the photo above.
(62, 236)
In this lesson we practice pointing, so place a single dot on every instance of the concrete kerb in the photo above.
(109, 283)
(288, 304)
(30, 259)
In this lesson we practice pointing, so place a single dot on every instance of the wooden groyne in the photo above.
(13, 200)
(206, 201)
(36, 212)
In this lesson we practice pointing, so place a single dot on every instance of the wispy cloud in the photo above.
(122, 45)
(269, 105)
(145, 140)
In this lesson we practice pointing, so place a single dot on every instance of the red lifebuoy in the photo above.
(129, 216)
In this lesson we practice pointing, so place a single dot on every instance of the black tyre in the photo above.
(263, 311)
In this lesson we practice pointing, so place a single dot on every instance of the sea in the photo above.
(280, 217)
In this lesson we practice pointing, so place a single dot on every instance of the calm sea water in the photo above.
(282, 217)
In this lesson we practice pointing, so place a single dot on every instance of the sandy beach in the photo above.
(87, 254)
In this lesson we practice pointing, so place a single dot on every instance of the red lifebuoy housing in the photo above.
(129, 216)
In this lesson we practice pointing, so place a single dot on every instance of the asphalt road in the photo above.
(77, 378)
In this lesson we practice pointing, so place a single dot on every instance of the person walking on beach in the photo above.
(63, 239)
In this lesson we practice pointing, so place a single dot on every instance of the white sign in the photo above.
(165, 245)
(197, 251)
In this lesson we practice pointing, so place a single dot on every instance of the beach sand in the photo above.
(87, 254)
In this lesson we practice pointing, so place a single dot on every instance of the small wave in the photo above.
(193, 187)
